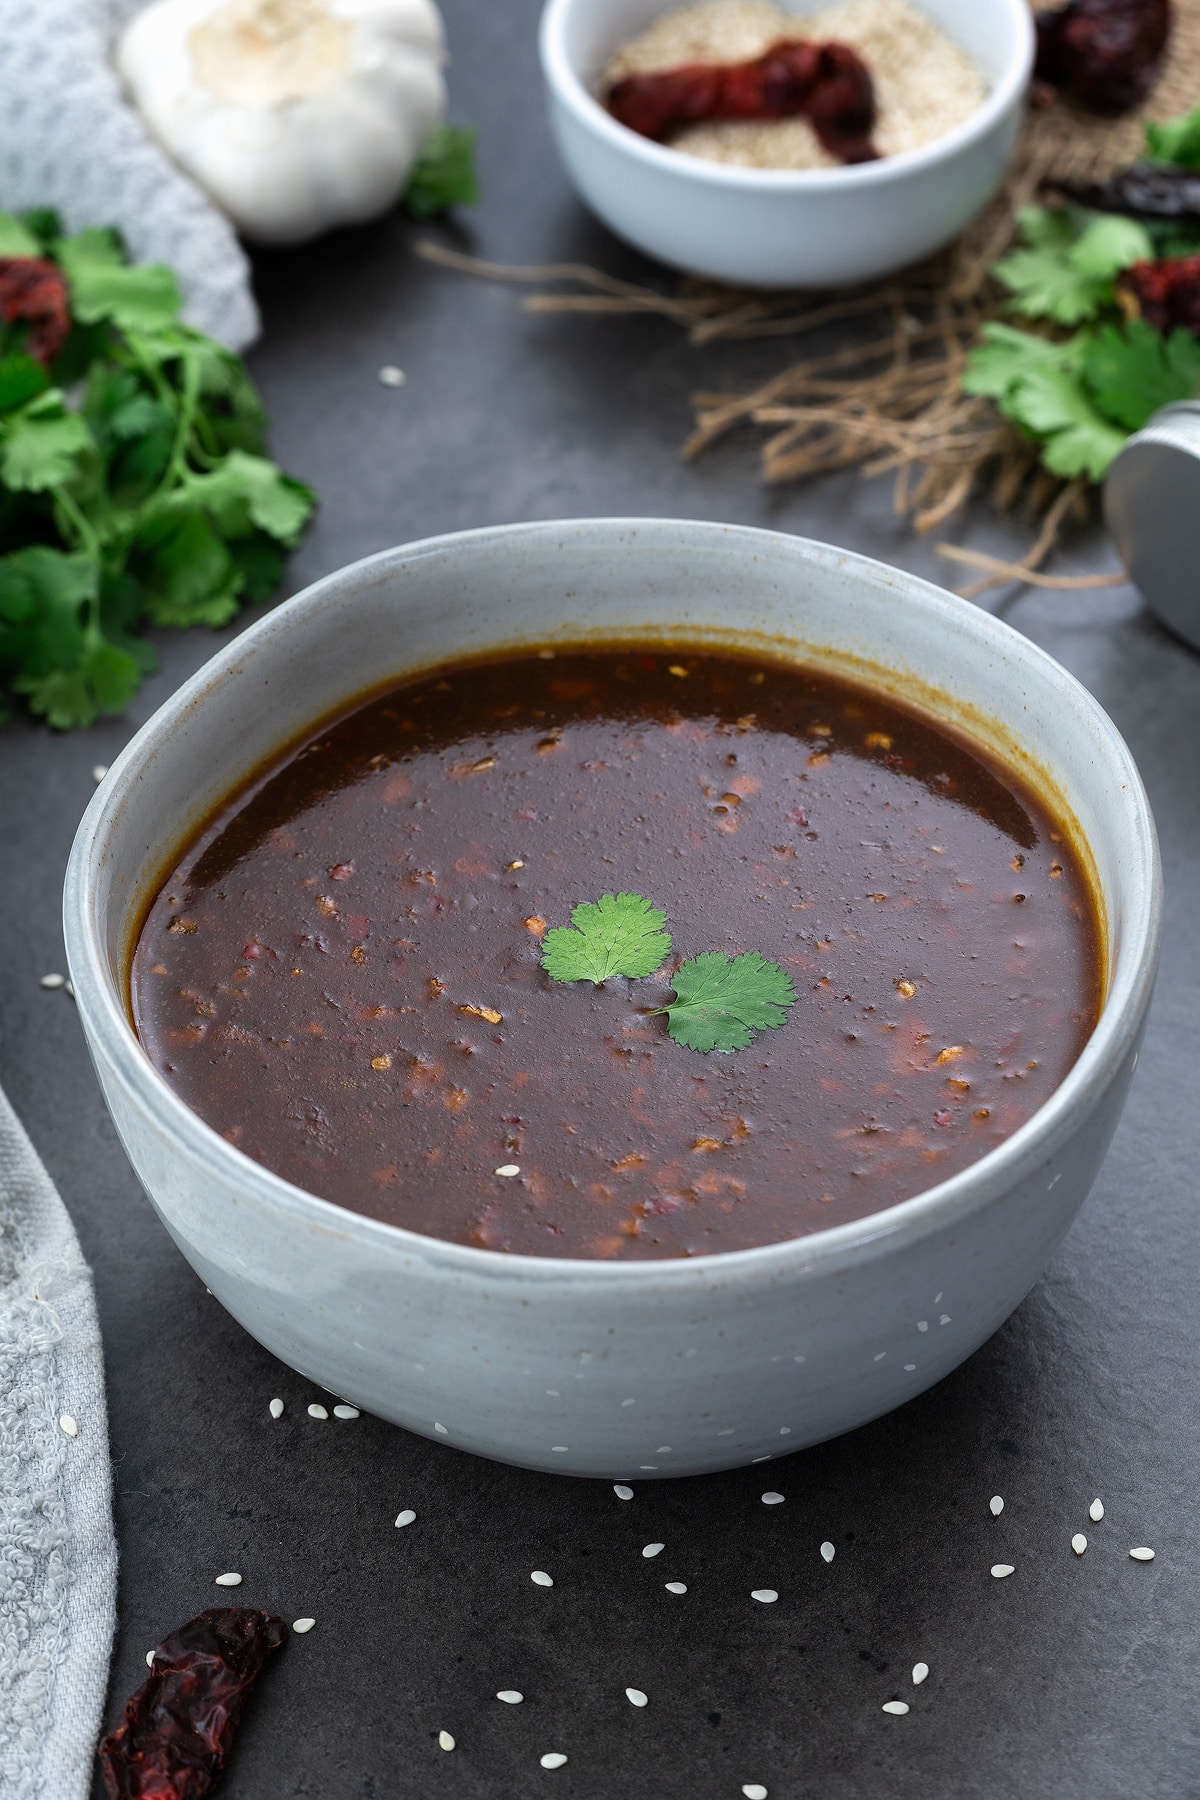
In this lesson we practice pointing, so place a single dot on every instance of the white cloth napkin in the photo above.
(58, 1557)
(69, 140)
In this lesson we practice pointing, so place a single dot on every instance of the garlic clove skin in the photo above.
(294, 116)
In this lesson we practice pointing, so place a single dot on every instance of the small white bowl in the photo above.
(811, 228)
(624, 1369)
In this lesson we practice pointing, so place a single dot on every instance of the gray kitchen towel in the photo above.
(58, 1558)
(69, 140)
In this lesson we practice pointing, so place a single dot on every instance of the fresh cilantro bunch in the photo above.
(134, 484)
(1080, 394)
(720, 1001)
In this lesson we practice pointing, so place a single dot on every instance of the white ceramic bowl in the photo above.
(726, 1359)
(772, 227)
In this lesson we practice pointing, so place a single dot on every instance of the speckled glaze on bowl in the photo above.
(807, 228)
(658, 1368)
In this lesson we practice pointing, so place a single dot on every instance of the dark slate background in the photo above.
(1073, 1678)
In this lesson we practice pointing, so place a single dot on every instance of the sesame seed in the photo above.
(440, 1429)
(99, 771)
(1096, 1511)
(317, 1411)
(541, 1579)
(828, 1551)
(149, 1659)
(230, 1580)
(771, 1498)
(754, 1790)
(676, 669)
(346, 1412)
(1142, 1554)
(303, 1625)
(67, 1424)
(508, 1169)
(676, 1587)
(996, 1505)
(276, 1409)
(560, 1449)
(922, 1324)
(406, 1517)
(52, 981)
(445, 1740)
(909, 1367)
(510, 1696)
(1079, 1543)
(621, 1491)
(515, 865)
(652, 1549)
(553, 1759)
(68, 990)
(758, 1459)
(392, 377)
(766, 1595)
(636, 1697)
(1000, 1570)
(920, 1671)
(897, 1707)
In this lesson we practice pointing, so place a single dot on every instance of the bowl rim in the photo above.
(567, 86)
(1031, 1146)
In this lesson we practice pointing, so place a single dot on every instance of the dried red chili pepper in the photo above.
(1104, 53)
(828, 83)
(177, 1730)
(1166, 294)
(34, 290)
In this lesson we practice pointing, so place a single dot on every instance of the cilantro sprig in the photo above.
(444, 173)
(134, 484)
(720, 1001)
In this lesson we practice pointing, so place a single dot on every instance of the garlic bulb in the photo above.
(292, 115)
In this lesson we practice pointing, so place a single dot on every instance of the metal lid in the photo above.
(1152, 509)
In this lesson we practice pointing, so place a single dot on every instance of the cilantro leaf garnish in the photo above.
(721, 1001)
(444, 173)
(1068, 267)
(1175, 140)
(622, 934)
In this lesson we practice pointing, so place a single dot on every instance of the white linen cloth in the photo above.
(58, 1558)
(69, 140)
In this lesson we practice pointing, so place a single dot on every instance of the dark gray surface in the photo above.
(1073, 1678)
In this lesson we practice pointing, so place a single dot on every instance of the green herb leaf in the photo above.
(444, 173)
(247, 491)
(1175, 140)
(21, 379)
(1054, 405)
(1006, 356)
(1108, 244)
(16, 239)
(43, 596)
(103, 286)
(721, 1001)
(41, 443)
(1068, 269)
(1132, 370)
(621, 935)
(104, 680)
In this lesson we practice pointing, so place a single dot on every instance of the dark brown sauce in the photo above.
(321, 973)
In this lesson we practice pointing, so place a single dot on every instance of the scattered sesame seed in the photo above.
(676, 669)
(828, 1551)
(757, 1459)
(53, 981)
(621, 1491)
(1142, 1554)
(920, 1671)
(99, 771)
(909, 1367)
(676, 1587)
(508, 1169)
(510, 1696)
(392, 377)
(1079, 1543)
(652, 1549)
(149, 1659)
(445, 1740)
(230, 1580)
(276, 1409)
(68, 990)
(898, 1707)
(636, 1697)
(1000, 1570)
(996, 1505)
(66, 1423)
(303, 1625)
(772, 1499)
(346, 1412)
(766, 1595)
(515, 865)
(440, 1429)
(317, 1411)
(560, 1449)
(553, 1759)
(406, 1517)
(541, 1579)
(1096, 1511)
(754, 1790)
(922, 1324)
